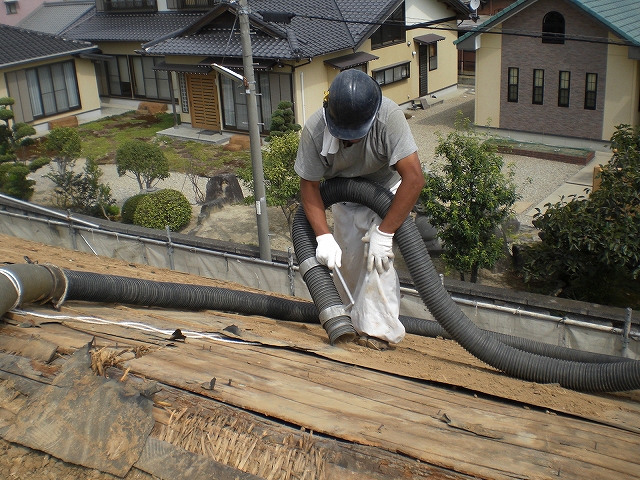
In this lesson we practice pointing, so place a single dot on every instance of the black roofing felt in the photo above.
(26, 45)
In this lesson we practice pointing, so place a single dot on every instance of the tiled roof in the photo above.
(622, 17)
(55, 17)
(133, 27)
(262, 46)
(318, 27)
(27, 45)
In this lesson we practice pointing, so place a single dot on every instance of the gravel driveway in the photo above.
(535, 178)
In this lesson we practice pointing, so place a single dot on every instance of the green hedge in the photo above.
(129, 207)
(162, 208)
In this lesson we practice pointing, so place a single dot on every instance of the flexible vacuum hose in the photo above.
(581, 376)
(429, 328)
(22, 284)
(94, 287)
(89, 286)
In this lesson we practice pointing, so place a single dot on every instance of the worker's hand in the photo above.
(379, 249)
(328, 252)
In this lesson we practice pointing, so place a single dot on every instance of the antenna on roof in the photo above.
(473, 5)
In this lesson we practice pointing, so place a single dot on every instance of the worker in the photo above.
(360, 133)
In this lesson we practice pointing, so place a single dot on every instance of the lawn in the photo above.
(101, 139)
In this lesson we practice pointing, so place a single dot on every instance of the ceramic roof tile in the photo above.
(133, 27)
(318, 27)
(621, 16)
(27, 45)
(56, 17)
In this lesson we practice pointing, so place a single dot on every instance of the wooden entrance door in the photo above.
(203, 102)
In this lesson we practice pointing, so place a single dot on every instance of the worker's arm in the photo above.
(328, 252)
(407, 194)
(313, 206)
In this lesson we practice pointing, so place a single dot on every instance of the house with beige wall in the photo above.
(47, 76)
(164, 50)
(569, 68)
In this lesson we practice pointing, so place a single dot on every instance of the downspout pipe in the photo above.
(581, 376)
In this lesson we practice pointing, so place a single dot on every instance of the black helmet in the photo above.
(353, 102)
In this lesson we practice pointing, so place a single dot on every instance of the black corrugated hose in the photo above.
(95, 287)
(581, 376)
(89, 286)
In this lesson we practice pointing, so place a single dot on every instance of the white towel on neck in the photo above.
(330, 144)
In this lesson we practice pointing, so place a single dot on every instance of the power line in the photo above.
(493, 31)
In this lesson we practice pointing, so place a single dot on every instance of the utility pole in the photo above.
(254, 133)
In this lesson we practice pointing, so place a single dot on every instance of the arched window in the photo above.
(553, 28)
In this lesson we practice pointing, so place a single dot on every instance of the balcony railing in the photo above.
(126, 5)
(192, 4)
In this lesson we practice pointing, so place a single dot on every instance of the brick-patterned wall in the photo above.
(528, 53)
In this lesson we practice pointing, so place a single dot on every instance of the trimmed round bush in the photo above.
(162, 208)
(129, 207)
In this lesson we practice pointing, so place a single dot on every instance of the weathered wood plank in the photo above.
(262, 383)
(478, 436)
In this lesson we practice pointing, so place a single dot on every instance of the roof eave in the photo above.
(460, 8)
(49, 57)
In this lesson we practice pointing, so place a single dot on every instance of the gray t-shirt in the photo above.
(373, 158)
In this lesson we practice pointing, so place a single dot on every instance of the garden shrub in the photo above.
(468, 197)
(39, 163)
(282, 121)
(590, 247)
(129, 207)
(14, 181)
(65, 146)
(144, 161)
(162, 208)
(282, 183)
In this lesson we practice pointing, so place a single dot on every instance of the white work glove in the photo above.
(379, 251)
(328, 252)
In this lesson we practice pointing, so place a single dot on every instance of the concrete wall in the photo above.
(310, 82)
(417, 11)
(579, 58)
(23, 8)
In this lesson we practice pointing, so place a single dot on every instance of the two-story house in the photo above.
(163, 50)
(569, 68)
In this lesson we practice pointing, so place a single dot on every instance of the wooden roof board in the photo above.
(455, 430)
(437, 360)
(403, 400)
